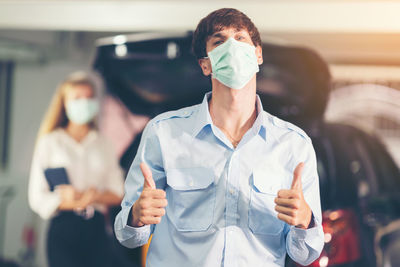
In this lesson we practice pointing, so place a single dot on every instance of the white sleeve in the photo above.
(41, 200)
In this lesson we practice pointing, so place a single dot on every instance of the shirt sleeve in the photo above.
(305, 245)
(41, 200)
(149, 151)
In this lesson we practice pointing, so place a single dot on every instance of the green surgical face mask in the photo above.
(233, 63)
(82, 110)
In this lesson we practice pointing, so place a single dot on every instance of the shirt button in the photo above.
(231, 191)
(191, 183)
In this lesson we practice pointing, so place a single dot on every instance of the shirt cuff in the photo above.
(128, 235)
(309, 235)
(302, 234)
(312, 225)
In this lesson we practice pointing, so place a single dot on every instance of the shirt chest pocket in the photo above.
(191, 198)
(265, 185)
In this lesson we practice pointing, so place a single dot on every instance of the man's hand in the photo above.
(290, 204)
(149, 208)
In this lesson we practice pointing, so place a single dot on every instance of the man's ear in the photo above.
(205, 66)
(259, 54)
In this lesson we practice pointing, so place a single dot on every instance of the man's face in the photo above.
(218, 38)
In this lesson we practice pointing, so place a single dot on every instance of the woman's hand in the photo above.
(69, 197)
(67, 193)
(72, 199)
(88, 197)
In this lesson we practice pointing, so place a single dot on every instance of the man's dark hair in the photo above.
(217, 21)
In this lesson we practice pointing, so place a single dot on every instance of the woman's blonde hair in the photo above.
(56, 116)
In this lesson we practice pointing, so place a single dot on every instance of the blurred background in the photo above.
(331, 67)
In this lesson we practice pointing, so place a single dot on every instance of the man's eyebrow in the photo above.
(217, 35)
(241, 31)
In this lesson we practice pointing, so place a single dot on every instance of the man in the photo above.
(223, 183)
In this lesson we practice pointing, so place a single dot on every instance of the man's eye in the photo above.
(218, 42)
(240, 38)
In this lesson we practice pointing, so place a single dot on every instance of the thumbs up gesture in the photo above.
(291, 205)
(149, 208)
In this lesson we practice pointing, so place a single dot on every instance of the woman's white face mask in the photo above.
(233, 63)
(82, 110)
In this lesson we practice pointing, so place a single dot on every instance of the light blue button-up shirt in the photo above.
(221, 199)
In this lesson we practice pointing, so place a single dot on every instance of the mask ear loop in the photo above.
(212, 75)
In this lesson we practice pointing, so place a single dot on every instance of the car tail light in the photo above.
(341, 230)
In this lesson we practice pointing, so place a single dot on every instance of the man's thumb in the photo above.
(296, 183)
(148, 176)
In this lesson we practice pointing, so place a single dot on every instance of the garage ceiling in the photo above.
(352, 31)
(283, 15)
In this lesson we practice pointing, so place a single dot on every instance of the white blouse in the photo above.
(89, 163)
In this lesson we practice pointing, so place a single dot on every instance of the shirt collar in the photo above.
(259, 126)
(203, 117)
(91, 136)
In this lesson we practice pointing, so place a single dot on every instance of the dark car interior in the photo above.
(359, 180)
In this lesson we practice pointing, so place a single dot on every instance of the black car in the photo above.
(359, 181)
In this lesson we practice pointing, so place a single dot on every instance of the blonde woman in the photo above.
(69, 149)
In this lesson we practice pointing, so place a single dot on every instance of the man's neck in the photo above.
(233, 111)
